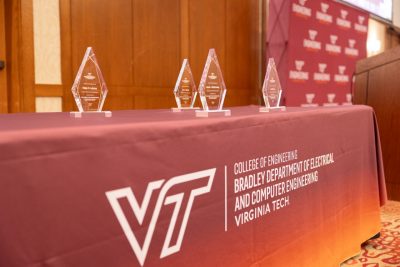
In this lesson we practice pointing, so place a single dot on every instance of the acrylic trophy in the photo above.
(212, 89)
(272, 90)
(185, 90)
(89, 89)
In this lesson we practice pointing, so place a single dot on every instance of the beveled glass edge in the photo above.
(271, 65)
(212, 56)
(89, 54)
(104, 89)
(185, 64)
(77, 80)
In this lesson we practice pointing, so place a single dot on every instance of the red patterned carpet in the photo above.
(383, 251)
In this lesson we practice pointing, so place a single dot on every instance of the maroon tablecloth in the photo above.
(156, 188)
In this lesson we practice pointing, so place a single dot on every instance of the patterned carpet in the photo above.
(383, 251)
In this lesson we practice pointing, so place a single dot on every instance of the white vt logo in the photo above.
(342, 69)
(322, 67)
(352, 42)
(333, 39)
(299, 64)
(324, 7)
(343, 13)
(312, 34)
(361, 19)
(302, 2)
(140, 210)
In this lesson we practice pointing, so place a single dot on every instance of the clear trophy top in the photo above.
(212, 87)
(272, 89)
(185, 90)
(89, 89)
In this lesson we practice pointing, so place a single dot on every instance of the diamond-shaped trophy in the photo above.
(185, 90)
(272, 90)
(89, 89)
(212, 89)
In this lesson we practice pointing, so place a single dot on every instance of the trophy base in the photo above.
(78, 114)
(347, 104)
(213, 113)
(265, 109)
(331, 104)
(309, 105)
(184, 109)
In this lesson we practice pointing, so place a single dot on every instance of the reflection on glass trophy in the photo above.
(185, 90)
(89, 89)
(212, 89)
(272, 90)
(348, 100)
(309, 99)
(331, 99)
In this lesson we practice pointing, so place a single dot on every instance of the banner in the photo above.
(324, 41)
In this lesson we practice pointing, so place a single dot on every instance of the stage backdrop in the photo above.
(316, 45)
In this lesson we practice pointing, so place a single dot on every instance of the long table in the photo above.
(155, 188)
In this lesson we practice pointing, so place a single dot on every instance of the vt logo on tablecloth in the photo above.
(114, 197)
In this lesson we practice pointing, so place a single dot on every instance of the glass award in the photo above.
(212, 88)
(271, 90)
(89, 89)
(185, 90)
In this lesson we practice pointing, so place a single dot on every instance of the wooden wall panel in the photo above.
(13, 23)
(107, 27)
(238, 45)
(140, 46)
(3, 73)
(259, 10)
(207, 30)
(360, 88)
(156, 42)
(25, 46)
(18, 22)
(154, 102)
(67, 70)
(383, 95)
(238, 52)
(377, 85)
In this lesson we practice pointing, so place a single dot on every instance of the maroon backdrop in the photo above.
(316, 45)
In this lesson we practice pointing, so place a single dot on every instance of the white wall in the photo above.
(47, 50)
(376, 37)
(396, 13)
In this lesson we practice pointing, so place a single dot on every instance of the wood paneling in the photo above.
(392, 38)
(156, 42)
(19, 53)
(13, 40)
(140, 46)
(49, 90)
(393, 190)
(384, 95)
(207, 30)
(26, 50)
(360, 88)
(3, 73)
(238, 41)
(107, 27)
(378, 60)
(377, 85)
